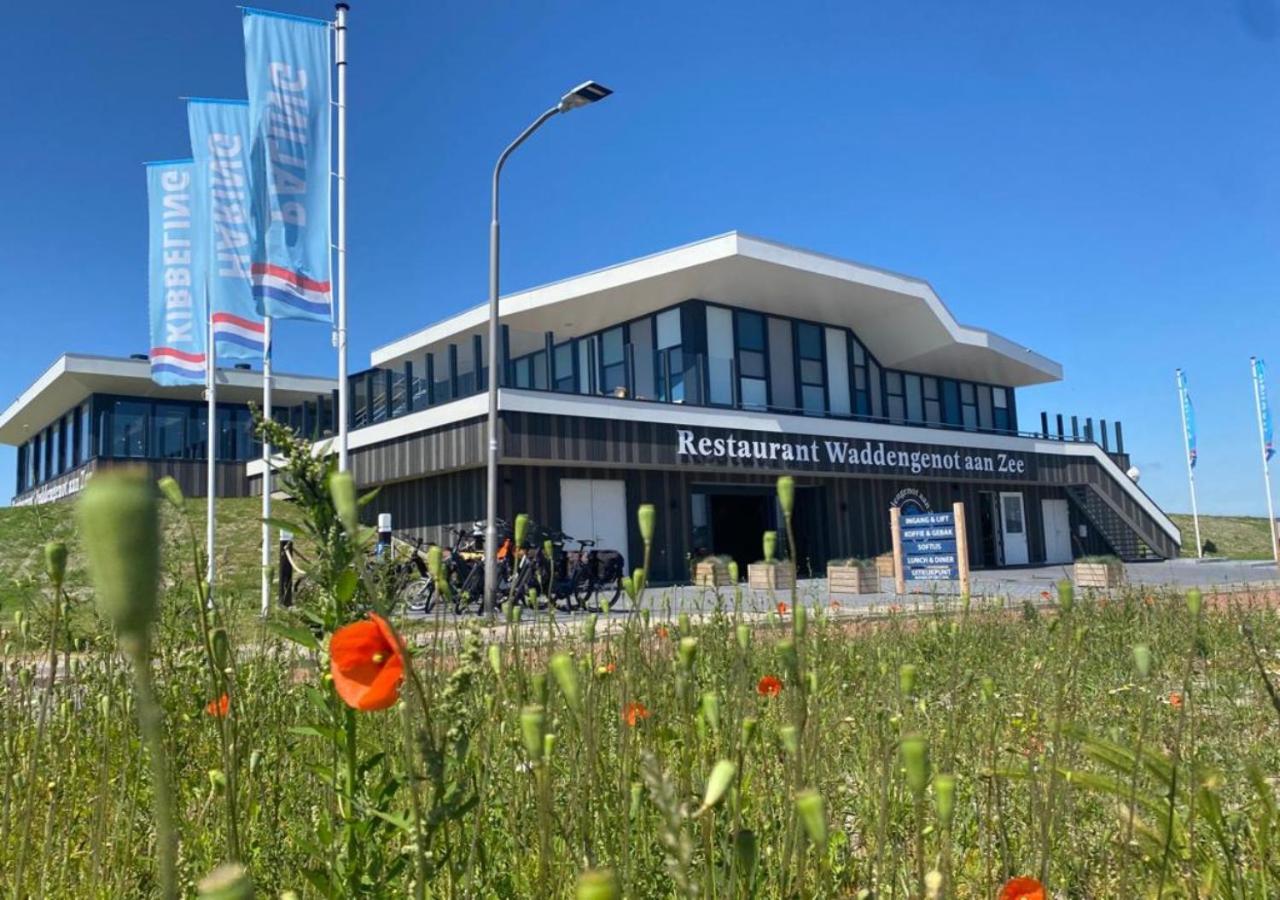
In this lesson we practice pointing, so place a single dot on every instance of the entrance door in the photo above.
(595, 509)
(990, 553)
(1013, 529)
(738, 524)
(1057, 531)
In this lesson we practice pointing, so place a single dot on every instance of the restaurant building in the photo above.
(692, 378)
(86, 413)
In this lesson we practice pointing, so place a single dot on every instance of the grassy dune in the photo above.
(1236, 537)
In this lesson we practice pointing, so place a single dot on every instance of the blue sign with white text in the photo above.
(929, 547)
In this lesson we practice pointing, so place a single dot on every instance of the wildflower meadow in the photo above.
(156, 741)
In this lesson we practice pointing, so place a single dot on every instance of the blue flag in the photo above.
(1189, 419)
(178, 317)
(1264, 410)
(287, 67)
(220, 145)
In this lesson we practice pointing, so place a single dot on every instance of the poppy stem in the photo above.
(149, 722)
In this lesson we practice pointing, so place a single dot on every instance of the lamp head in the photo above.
(583, 94)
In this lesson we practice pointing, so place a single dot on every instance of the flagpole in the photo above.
(1191, 474)
(211, 456)
(266, 467)
(340, 58)
(1266, 467)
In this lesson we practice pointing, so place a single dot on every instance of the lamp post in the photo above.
(586, 93)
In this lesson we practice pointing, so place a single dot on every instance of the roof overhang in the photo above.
(900, 319)
(75, 376)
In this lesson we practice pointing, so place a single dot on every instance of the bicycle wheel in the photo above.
(418, 596)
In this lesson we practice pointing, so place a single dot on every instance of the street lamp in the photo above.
(584, 94)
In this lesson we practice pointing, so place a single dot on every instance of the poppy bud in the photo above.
(495, 659)
(629, 587)
(589, 627)
(55, 562)
(605, 606)
(749, 726)
(217, 781)
(533, 725)
(1194, 602)
(342, 488)
(718, 784)
(598, 884)
(711, 710)
(1142, 660)
(684, 624)
(540, 688)
(744, 636)
(787, 494)
(790, 739)
(770, 545)
(944, 798)
(548, 745)
(1066, 595)
(228, 881)
(907, 679)
(787, 654)
(746, 852)
(646, 516)
(732, 566)
(915, 760)
(172, 491)
(688, 652)
(521, 529)
(637, 796)
(566, 675)
(988, 688)
(122, 542)
(509, 612)
(814, 817)
(799, 621)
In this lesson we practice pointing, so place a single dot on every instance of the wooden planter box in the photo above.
(1098, 575)
(778, 576)
(884, 565)
(711, 573)
(853, 579)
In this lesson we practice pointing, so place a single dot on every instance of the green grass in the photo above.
(24, 531)
(1236, 537)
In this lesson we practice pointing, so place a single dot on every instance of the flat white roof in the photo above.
(74, 376)
(901, 319)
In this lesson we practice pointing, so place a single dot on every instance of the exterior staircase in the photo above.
(1132, 537)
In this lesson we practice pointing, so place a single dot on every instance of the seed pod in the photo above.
(907, 679)
(548, 745)
(688, 652)
(637, 796)
(732, 566)
(770, 542)
(744, 637)
(749, 727)
(598, 884)
(629, 587)
(539, 685)
(915, 760)
(684, 624)
(711, 710)
(221, 648)
(122, 543)
(718, 784)
(589, 627)
(787, 494)
(217, 781)
(1195, 601)
(788, 656)
(1142, 660)
(228, 881)
(566, 675)
(342, 488)
(988, 688)
(799, 621)
(172, 491)
(521, 529)
(813, 815)
(944, 798)
(55, 562)
(790, 739)
(495, 659)
(533, 725)
(646, 517)
(1066, 595)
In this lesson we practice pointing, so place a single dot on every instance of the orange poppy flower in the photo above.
(634, 713)
(835, 604)
(782, 608)
(611, 668)
(662, 632)
(1022, 888)
(769, 686)
(1175, 699)
(1044, 595)
(218, 708)
(366, 663)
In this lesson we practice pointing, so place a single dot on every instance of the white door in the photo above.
(1013, 528)
(595, 509)
(1057, 531)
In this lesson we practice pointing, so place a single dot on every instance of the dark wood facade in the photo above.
(231, 479)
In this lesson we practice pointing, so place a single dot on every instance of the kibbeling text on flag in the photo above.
(287, 66)
(176, 308)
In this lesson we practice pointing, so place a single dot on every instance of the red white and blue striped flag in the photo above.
(176, 307)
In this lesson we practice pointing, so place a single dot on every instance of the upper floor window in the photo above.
(563, 367)
(969, 406)
(613, 361)
(813, 385)
(128, 429)
(1001, 418)
(753, 390)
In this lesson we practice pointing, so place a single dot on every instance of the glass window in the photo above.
(782, 373)
(968, 406)
(22, 468)
(897, 399)
(668, 326)
(84, 438)
(837, 371)
(359, 401)
(985, 420)
(198, 432)
(1000, 409)
(539, 364)
(399, 394)
(753, 392)
(564, 368)
(950, 402)
(169, 431)
(1012, 504)
(915, 399)
(809, 340)
(932, 401)
(55, 448)
(377, 396)
(613, 362)
(68, 442)
(129, 429)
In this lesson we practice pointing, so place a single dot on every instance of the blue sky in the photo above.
(1097, 181)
